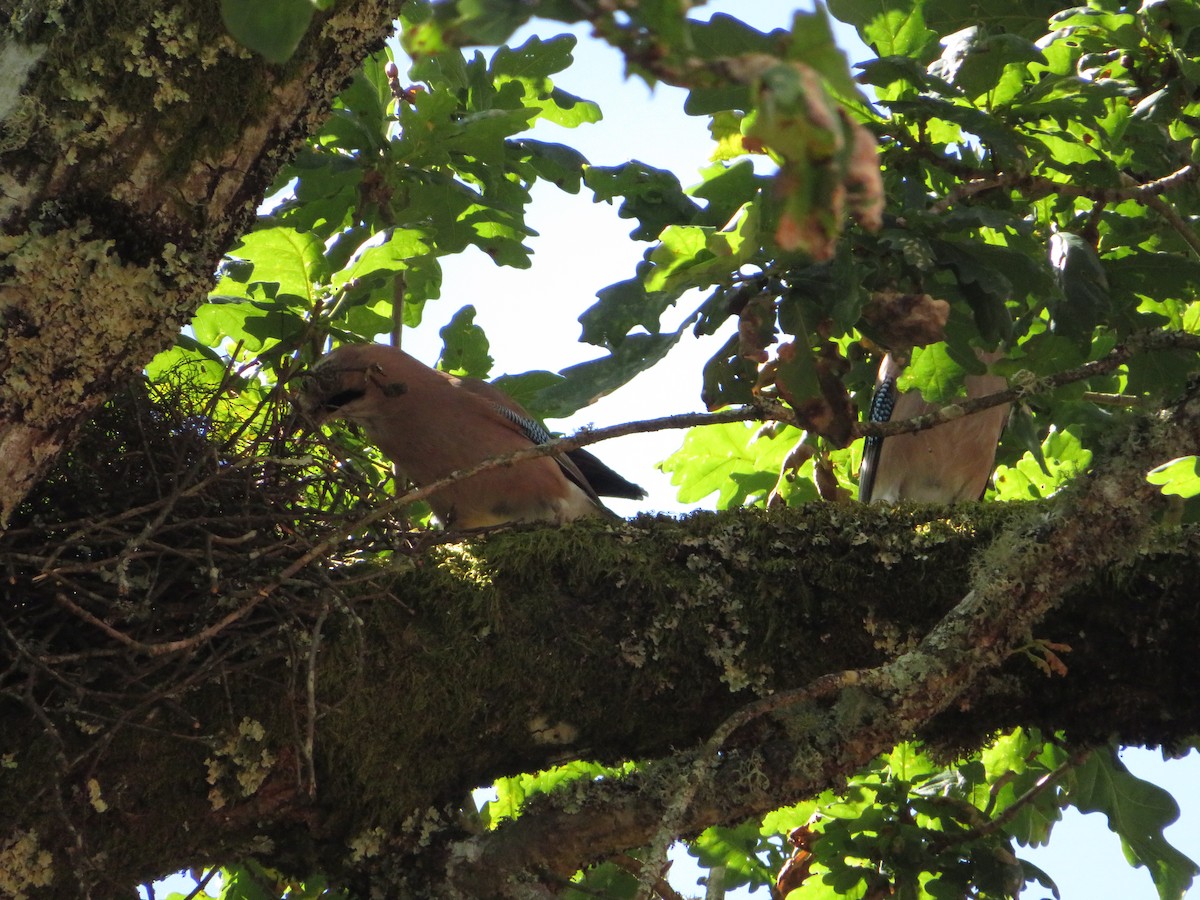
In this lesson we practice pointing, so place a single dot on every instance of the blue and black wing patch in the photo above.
(597, 478)
(883, 402)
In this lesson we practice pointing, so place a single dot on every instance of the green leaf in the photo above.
(909, 762)
(732, 849)
(652, 196)
(292, 260)
(384, 253)
(680, 247)
(559, 164)
(1180, 477)
(892, 27)
(566, 109)
(272, 28)
(240, 883)
(724, 36)
(974, 60)
(527, 387)
(585, 383)
(530, 66)
(465, 346)
(619, 309)
(728, 376)
(1138, 812)
(935, 373)
(888, 70)
(1084, 285)
(732, 461)
(813, 43)
(512, 793)
(1063, 456)
(360, 120)
(190, 361)
(606, 880)
(533, 60)
(726, 189)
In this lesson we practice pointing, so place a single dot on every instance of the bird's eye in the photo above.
(336, 401)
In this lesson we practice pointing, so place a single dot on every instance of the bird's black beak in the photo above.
(334, 402)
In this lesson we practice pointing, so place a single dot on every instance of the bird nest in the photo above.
(169, 530)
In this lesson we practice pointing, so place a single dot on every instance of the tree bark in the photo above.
(136, 143)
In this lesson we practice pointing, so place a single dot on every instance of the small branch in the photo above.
(1043, 784)
(201, 884)
(310, 689)
(1122, 353)
(119, 636)
(1176, 221)
(1036, 186)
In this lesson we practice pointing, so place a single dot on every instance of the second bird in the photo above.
(948, 463)
(430, 423)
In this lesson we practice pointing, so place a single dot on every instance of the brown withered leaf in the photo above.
(906, 320)
(803, 225)
(811, 383)
(827, 483)
(863, 179)
(756, 327)
(794, 872)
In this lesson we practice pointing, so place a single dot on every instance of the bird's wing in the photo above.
(883, 402)
(518, 419)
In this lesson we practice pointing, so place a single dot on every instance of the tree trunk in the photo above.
(136, 142)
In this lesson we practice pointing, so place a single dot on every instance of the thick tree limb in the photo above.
(1102, 523)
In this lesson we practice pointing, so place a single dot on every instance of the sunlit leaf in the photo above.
(1138, 812)
(1179, 476)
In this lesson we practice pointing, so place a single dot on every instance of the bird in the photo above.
(431, 423)
(947, 463)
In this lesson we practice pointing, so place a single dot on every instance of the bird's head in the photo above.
(351, 382)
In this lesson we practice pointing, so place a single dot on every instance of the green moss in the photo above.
(709, 609)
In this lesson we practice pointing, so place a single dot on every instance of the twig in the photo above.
(1013, 810)
(1119, 355)
(310, 727)
(1176, 221)
(118, 636)
(201, 884)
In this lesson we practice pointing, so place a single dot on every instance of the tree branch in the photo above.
(1102, 521)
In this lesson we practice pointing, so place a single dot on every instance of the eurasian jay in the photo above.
(944, 464)
(430, 424)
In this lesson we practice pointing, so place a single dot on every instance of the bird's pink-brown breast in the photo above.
(431, 424)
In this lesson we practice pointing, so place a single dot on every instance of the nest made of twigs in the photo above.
(167, 529)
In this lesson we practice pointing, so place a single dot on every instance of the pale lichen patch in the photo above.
(16, 62)
(239, 759)
(24, 865)
(95, 796)
(366, 844)
(69, 297)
